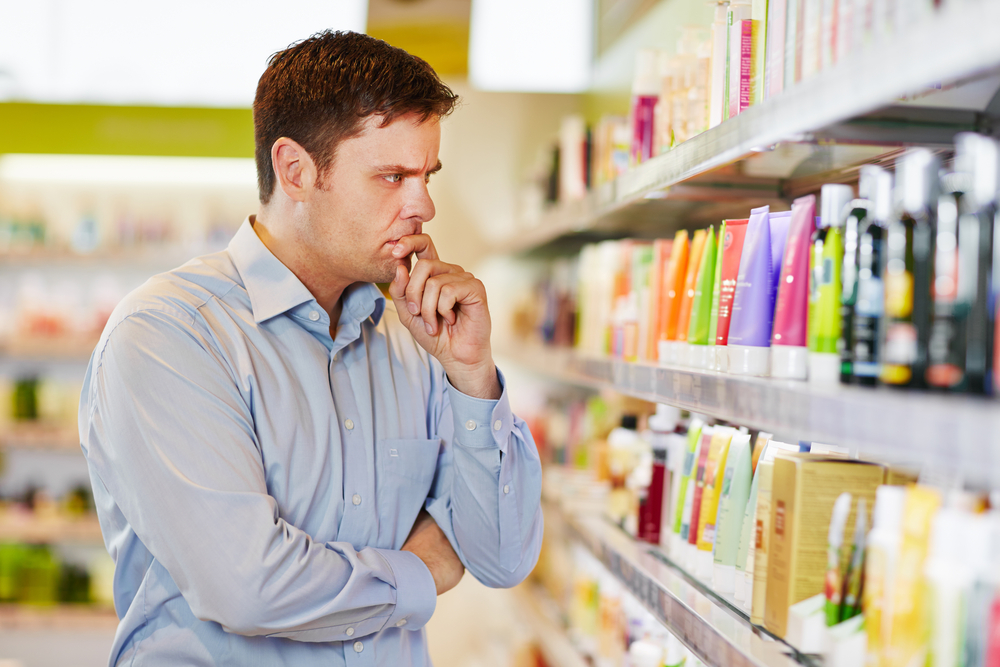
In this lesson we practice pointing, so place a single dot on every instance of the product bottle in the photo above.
(884, 542)
(872, 212)
(908, 270)
(742, 64)
(645, 95)
(825, 286)
(663, 431)
(948, 582)
(720, 51)
(960, 348)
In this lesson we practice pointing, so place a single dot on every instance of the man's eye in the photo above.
(393, 178)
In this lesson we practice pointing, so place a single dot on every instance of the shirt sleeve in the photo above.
(487, 493)
(171, 436)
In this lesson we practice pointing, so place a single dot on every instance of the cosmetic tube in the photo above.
(742, 61)
(697, 491)
(873, 211)
(712, 363)
(788, 341)
(672, 293)
(720, 50)
(753, 308)
(679, 352)
(825, 288)
(662, 249)
(715, 469)
(731, 249)
(736, 483)
(645, 96)
(948, 582)
(687, 472)
(701, 305)
(834, 579)
(908, 268)
(774, 50)
(742, 585)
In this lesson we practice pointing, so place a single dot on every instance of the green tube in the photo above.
(825, 262)
(732, 506)
(694, 437)
(701, 308)
(713, 324)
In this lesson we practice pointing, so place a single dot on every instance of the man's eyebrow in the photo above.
(407, 171)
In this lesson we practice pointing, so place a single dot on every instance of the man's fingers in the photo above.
(421, 244)
(422, 272)
(431, 305)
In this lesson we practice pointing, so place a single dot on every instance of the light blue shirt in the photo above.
(255, 478)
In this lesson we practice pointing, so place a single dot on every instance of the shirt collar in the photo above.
(273, 289)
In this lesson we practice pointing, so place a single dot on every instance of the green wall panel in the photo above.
(119, 130)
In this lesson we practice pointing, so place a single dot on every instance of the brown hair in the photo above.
(319, 91)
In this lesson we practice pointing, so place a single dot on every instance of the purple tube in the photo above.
(753, 305)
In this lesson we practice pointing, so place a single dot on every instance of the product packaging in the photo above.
(753, 307)
(909, 264)
(693, 513)
(742, 63)
(645, 95)
(712, 362)
(736, 483)
(774, 73)
(805, 489)
(825, 286)
(684, 483)
(678, 353)
(880, 566)
(720, 65)
(731, 246)
(788, 341)
(662, 249)
(715, 468)
(701, 306)
(672, 295)
(742, 585)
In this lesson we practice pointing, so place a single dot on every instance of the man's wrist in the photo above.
(479, 381)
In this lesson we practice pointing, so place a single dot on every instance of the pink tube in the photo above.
(788, 340)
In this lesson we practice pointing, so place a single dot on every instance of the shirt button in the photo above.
(314, 316)
(470, 425)
(497, 424)
(506, 488)
(350, 632)
(358, 647)
(401, 623)
(349, 424)
(356, 499)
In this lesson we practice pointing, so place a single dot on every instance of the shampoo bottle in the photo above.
(825, 288)
(908, 269)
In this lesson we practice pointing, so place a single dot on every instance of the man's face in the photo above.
(374, 193)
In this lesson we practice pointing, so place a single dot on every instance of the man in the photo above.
(288, 469)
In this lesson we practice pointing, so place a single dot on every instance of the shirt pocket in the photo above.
(405, 469)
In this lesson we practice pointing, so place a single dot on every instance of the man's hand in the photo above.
(429, 543)
(444, 308)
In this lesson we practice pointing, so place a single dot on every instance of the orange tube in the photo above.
(687, 299)
(673, 287)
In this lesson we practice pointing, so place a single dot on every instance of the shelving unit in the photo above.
(87, 617)
(541, 613)
(920, 429)
(49, 530)
(715, 631)
(48, 348)
(40, 437)
(855, 104)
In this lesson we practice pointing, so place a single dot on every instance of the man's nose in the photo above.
(419, 204)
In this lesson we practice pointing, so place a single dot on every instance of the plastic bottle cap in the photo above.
(749, 360)
(916, 180)
(876, 186)
(824, 367)
(835, 198)
(666, 418)
(888, 513)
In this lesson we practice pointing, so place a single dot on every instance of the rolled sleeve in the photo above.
(416, 593)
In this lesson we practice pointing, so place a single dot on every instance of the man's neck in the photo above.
(326, 289)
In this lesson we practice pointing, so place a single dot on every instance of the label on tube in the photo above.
(673, 287)
(732, 249)
(713, 324)
(699, 485)
(715, 468)
(750, 323)
(690, 283)
(701, 306)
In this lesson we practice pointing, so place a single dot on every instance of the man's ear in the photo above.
(294, 168)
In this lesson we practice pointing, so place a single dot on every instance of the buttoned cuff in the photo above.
(416, 593)
(481, 423)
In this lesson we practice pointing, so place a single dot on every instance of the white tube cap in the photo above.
(698, 356)
(824, 367)
(789, 361)
(704, 563)
(724, 579)
(749, 360)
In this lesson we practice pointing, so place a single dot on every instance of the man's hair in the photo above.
(319, 92)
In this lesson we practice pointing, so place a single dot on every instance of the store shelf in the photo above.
(853, 102)
(947, 434)
(48, 348)
(163, 257)
(40, 437)
(83, 617)
(33, 530)
(542, 615)
(712, 629)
